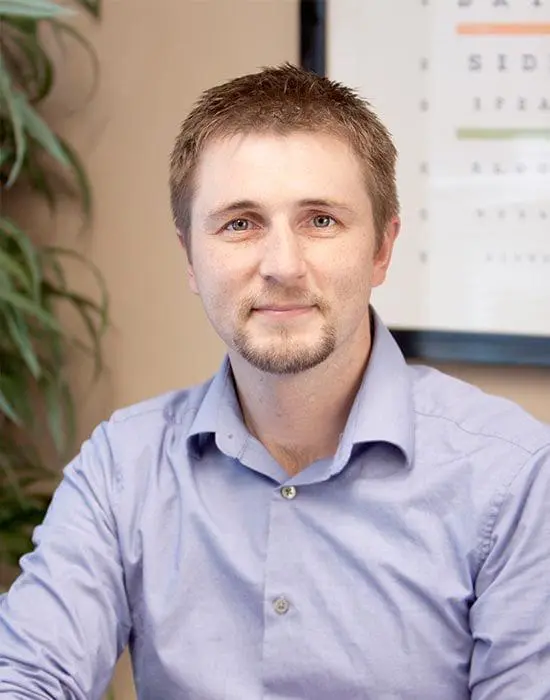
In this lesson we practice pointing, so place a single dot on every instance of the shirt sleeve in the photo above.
(510, 618)
(66, 620)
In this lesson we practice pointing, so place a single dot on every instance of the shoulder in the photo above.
(127, 449)
(471, 417)
(145, 423)
(486, 450)
(171, 406)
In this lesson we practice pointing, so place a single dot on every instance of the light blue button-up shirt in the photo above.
(414, 565)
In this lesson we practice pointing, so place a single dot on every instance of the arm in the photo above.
(510, 619)
(65, 620)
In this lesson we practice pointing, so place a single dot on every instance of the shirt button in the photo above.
(281, 606)
(289, 492)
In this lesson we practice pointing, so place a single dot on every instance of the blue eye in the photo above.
(323, 221)
(238, 225)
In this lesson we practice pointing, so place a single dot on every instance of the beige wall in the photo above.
(155, 58)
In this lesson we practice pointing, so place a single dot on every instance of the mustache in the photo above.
(289, 298)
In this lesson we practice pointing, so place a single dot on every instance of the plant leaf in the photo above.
(11, 267)
(29, 25)
(17, 524)
(82, 180)
(69, 413)
(54, 412)
(30, 307)
(6, 153)
(28, 251)
(51, 262)
(39, 181)
(33, 70)
(15, 388)
(84, 307)
(12, 479)
(32, 342)
(6, 408)
(60, 412)
(59, 28)
(91, 6)
(103, 307)
(37, 9)
(40, 131)
(19, 333)
(14, 110)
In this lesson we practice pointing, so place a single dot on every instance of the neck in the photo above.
(299, 418)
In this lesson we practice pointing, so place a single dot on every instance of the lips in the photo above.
(282, 312)
(282, 309)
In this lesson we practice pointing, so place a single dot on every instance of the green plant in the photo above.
(36, 403)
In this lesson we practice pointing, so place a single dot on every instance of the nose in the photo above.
(282, 255)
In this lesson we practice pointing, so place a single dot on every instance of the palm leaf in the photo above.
(53, 253)
(86, 309)
(11, 479)
(34, 393)
(59, 28)
(52, 265)
(69, 412)
(10, 265)
(9, 97)
(6, 407)
(15, 389)
(6, 152)
(37, 128)
(9, 230)
(91, 6)
(39, 181)
(28, 306)
(17, 521)
(27, 59)
(19, 332)
(37, 9)
(51, 389)
(82, 180)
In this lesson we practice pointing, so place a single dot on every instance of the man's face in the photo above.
(283, 248)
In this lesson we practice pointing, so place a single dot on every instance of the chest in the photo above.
(329, 590)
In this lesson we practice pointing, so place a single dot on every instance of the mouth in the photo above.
(281, 312)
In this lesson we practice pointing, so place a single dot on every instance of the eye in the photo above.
(238, 225)
(323, 221)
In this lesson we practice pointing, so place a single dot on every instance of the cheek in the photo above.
(216, 292)
(354, 276)
(217, 285)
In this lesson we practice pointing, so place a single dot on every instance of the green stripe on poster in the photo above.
(464, 134)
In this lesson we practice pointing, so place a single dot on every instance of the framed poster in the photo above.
(464, 88)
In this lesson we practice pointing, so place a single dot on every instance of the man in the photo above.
(319, 521)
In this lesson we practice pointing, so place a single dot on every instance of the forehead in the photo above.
(278, 169)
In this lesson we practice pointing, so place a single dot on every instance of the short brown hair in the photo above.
(284, 99)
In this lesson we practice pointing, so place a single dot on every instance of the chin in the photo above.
(269, 358)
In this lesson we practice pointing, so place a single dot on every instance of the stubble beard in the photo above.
(286, 354)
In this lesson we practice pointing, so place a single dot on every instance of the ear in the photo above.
(190, 271)
(383, 255)
(192, 279)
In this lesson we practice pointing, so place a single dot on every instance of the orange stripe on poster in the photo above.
(481, 29)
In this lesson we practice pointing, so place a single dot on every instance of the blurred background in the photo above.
(153, 60)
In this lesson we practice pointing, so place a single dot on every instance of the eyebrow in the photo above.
(249, 204)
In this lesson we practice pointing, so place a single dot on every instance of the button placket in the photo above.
(282, 585)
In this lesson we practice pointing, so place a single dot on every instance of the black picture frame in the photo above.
(434, 346)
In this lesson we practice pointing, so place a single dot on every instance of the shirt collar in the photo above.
(382, 410)
(218, 410)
